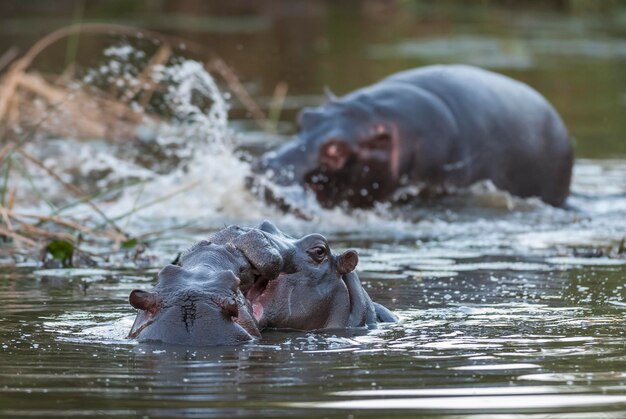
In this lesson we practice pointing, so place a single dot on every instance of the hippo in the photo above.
(197, 300)
(225, 290)
(431, 129)
(315, 288)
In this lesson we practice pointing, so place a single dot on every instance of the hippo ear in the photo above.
(176, 260)
(171, 272)
(143, 300)
(334, 154)
(309, 117)
(347, 261)
(330, 96)
(269, 227)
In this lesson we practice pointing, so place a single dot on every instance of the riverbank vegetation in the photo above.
(35, 105)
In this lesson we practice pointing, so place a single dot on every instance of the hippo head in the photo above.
(193, 307)
(198, 300)
(313, 290)
(345, 152)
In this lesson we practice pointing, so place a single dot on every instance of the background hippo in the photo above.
(434, 127)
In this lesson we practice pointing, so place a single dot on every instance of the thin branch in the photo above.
(4, 151)
(19, 67)
(67, 223)
(219, 66)
(73, 189)
(8, 56)
(17, 236)
(40, 232)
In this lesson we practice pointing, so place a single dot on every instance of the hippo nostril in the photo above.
(230, 307)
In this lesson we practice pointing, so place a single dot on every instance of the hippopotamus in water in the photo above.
(198, 300)
(435, 127)
(225, 290)
(314, 289)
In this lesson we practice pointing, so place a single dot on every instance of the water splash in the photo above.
(186, 169)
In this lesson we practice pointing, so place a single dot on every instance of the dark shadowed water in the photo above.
(508, 307)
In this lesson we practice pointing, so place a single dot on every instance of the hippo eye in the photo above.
(317, 253)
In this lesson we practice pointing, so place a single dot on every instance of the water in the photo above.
(508, 307)
(498, 334)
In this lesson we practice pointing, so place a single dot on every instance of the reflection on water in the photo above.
(507, 306)
(491, 340)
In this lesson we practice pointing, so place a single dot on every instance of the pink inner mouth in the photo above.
(257, 311)
(260, 289)
(254, 294)
(257, 289)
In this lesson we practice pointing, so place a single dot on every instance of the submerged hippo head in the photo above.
(315, 289)
(193, 307)
(199, 301)
(347, 151)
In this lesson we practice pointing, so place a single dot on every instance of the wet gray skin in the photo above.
(223, 291)
(314, 289)
(435, 128)
(198, 300)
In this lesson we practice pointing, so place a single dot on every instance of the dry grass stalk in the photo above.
(82, 115)
(233, 82)
(145, 80)
(12, 79)
(160, 199)
(4, 232)
(6, 218)
(5, 150)
(73, 189)
(63, 222)
(8, 56)
(276, 106)
(33, 230)
(78, 113)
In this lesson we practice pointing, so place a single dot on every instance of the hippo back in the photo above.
(504, 128)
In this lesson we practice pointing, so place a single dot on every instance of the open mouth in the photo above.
(142, 320)
(258, 293)
(254, 289)
(254, 295)
(257, 289)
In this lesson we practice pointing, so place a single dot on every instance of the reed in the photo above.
(81, 113)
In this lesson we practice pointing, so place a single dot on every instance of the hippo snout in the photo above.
(195, 322)
(288, 164)
(274, 169)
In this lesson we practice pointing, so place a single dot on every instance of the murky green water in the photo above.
(507, 306)
(491, 334)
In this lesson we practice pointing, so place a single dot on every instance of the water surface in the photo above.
(507, 306)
